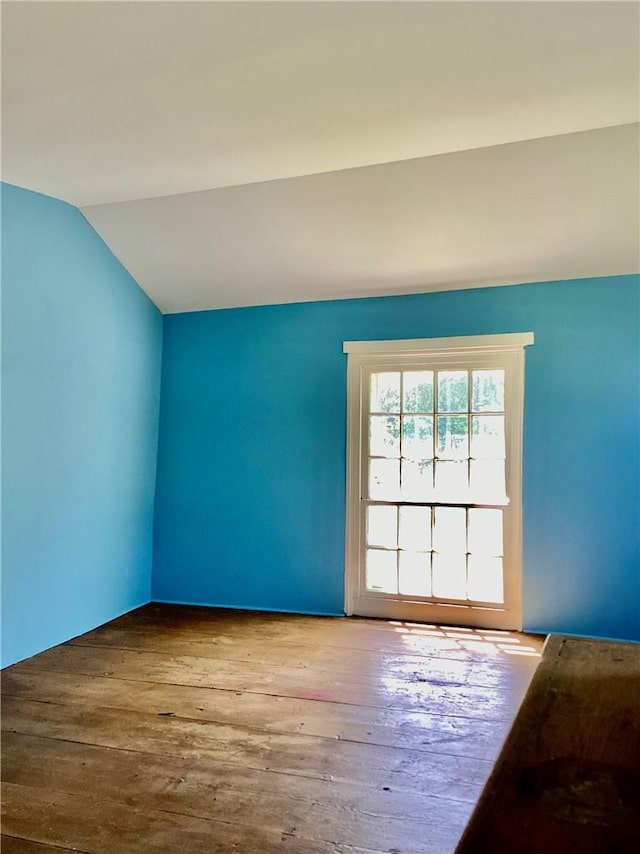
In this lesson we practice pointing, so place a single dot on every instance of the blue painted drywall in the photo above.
(250, 499)
(81, 354)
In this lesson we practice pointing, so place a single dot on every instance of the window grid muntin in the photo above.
(451, 366)
(467, 600)
(434, 413)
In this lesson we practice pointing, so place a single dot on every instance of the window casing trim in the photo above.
(468, 344)
(363, 355)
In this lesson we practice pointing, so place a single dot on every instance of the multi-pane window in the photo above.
(434, 479)
(436, 447)
(437, 436)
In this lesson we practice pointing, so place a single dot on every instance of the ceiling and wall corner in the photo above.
(248, 153)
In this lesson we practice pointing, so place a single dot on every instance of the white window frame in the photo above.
(362, 357)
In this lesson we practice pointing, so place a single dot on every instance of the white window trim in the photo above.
(363, 353)
(423, 346)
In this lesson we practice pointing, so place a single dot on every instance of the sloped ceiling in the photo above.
(247, 153)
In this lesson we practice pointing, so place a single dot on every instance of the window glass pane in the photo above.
(385, 392)
(415, 528)
(487, 437)
(488, 391)
(485, 579)
(485, 532)
(417, 391)
(384, 436)
(417, 437)
(382, 527)
(384, 479)
(452, 481)
(450, 530)
(414, 571)
(453, 391)
(381, 571)
(453, 437)
(417, 480)
(487, 482)
(450, 576)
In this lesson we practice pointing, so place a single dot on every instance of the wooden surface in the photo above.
(177, 729)
(568, 778)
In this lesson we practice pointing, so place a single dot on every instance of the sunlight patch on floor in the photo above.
(491, 641)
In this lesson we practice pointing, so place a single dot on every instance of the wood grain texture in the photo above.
(16, 845)
(300, 755)
(389, 692)
(106, 826)
(435, 731)
(279, 803)
(360, 666)
(568, 777)
(192, 729)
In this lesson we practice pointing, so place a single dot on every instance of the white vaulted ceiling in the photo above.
(559, 207)
(246, 153)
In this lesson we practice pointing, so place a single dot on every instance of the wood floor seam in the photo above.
(256, 730)
(36, 842)
(288, 695)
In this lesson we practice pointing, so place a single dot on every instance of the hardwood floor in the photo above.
(176, 729)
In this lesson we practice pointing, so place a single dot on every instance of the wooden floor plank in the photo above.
(505, 662)
(337, 632)
(104, 826)
(16, 845)
(308, 756)
(178, 729)
(386, 693)
(436, 731)
(313, 810)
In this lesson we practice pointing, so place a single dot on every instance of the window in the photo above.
(434, 479)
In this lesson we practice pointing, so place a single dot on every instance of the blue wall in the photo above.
(81, 355)
(250, 501)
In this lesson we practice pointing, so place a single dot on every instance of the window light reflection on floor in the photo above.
(489, 641)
